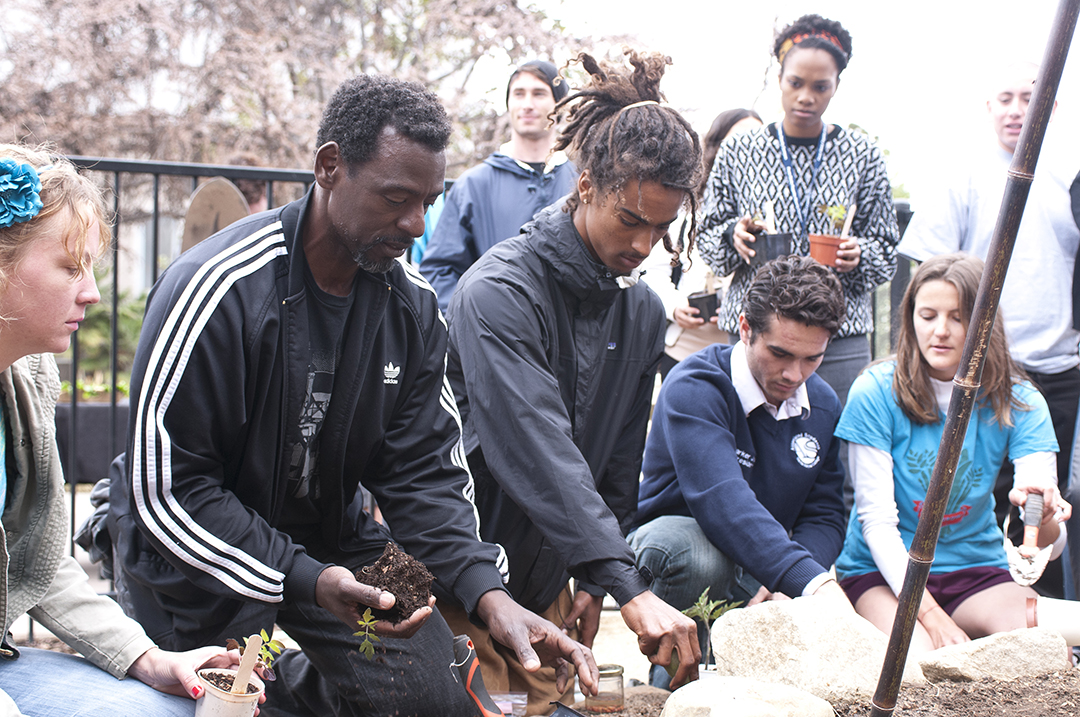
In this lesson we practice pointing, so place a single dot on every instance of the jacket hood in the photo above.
(559, 244)
(503, 161)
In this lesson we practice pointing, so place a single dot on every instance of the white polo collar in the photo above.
(751, 396)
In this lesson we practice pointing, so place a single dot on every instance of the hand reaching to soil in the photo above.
(585, 616)
(537, 641)
(661, 629)
(339, 592)
(174, 672)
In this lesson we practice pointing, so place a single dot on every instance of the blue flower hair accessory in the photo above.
(20, 193)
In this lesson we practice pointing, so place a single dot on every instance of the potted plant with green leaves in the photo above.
(823, 246)
(236, 693)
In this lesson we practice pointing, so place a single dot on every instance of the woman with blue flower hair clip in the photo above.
(53, 225)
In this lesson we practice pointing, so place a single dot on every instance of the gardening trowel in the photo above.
(1027, 562)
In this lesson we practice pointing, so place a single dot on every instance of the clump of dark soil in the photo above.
(404, 576)
(1049, 695)
(224, 681)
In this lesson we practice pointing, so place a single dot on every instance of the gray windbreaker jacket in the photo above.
(552, 363)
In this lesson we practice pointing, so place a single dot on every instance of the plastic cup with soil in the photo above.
(770, 246)
(705, 302)
(823, 248)
(220, 701)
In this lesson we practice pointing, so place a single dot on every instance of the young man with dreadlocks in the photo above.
(553, 350)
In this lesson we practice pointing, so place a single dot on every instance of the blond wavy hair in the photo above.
(63, 190)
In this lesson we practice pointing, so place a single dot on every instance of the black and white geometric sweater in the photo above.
(748, 171)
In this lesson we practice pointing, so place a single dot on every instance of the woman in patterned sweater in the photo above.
(802, 164)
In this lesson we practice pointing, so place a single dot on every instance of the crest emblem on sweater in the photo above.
(806, 449)
(391, 373)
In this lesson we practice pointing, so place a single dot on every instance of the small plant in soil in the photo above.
(707, 611)
(836, 212)
(402, 575)
(224, 681)
(268, 651)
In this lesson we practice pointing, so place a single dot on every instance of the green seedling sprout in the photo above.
(707, 611)
(367, 630)
(267, 653)
(836, 212)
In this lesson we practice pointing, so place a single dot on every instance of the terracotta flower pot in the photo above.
(221, 703)
(823, 248)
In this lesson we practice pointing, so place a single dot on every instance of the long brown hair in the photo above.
(911, 381)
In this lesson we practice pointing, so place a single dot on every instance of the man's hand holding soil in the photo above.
(338, 591)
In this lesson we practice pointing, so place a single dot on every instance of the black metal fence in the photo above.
(91, 434)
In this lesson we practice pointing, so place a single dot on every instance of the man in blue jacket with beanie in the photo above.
(492, 201)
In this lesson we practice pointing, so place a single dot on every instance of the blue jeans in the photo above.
(684, 562)
(52, 684)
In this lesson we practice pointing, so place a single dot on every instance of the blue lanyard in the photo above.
(802, 206)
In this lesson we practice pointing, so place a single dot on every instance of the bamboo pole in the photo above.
(969, 374)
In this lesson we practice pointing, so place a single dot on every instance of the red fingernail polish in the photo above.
(196, 691)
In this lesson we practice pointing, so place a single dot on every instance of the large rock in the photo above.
(721, 696)
(1003, 656)
(814, 643)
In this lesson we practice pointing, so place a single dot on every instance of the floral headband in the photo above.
(20, 192)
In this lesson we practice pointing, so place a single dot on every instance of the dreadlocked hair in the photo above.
(617, 139)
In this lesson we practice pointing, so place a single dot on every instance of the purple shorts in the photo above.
(949, 589)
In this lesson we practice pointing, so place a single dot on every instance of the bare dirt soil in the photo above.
(1050, 695)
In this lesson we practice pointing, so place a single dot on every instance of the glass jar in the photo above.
(609, 697)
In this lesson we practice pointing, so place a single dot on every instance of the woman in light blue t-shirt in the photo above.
(894, 421)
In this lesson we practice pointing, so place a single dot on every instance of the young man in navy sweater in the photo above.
(742, 480)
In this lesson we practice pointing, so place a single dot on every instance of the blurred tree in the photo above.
(196, 80)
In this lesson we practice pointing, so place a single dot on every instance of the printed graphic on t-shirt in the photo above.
(320, 385)
(921, 465)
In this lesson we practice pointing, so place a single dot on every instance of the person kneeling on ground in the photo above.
(742, 481)
(894, 420)
(553, 353)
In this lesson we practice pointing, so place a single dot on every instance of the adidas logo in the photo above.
(391, 373)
